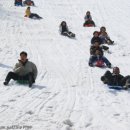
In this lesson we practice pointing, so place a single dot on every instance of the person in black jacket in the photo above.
(113, 79)
(65, 31)
(116, 79)
(96, 46)
(96, 38)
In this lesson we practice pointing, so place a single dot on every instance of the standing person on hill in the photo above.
(24, 70)
(88, 20)
(31, 15)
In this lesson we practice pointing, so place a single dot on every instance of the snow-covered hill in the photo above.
(68, 94)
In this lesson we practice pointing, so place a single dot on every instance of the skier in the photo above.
(65, 31)
(88, 20)
(29, 3)
(96, 38)
(24, 70)
(99, 60)
(104, 36)
(18, 3)
(31, 15)
(116, 79)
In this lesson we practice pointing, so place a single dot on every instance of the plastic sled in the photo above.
(24, 82)
(116, 87)
(89, 25)
(100, 64)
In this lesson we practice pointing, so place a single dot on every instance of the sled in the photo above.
(100, 64)
(116, 87)
(24, 82)
(89, 25)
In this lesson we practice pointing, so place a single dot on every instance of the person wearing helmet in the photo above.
(24, 70)
(65, 31)
(31, 15)
(114, 78)
(104, 36)
(96, 38)
(88, 20)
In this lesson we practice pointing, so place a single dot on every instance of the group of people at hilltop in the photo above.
(25, 70)
(24, 3)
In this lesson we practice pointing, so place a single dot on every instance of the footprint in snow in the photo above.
(117, 114)
(4, 105)
(30, 113)
(12, 100)
(68, 122)
(88, 125)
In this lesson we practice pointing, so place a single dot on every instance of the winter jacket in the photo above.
(112, 79)
(28, 12)
(93, 49)
(63, 29)
(117, 80)
(96, 39)
(88, 17)
(23, 69)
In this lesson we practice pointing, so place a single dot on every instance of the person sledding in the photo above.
(65, 31)
(31, 15)
(96, 38)
(28, 3)
(115, 80)
(23, 71)
(96, 46)
(104, 36)
(98, 60)
(18, 3)
(88, 20)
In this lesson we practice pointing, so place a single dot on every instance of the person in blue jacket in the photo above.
(99, 60)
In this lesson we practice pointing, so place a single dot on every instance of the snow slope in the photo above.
(68, 94)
